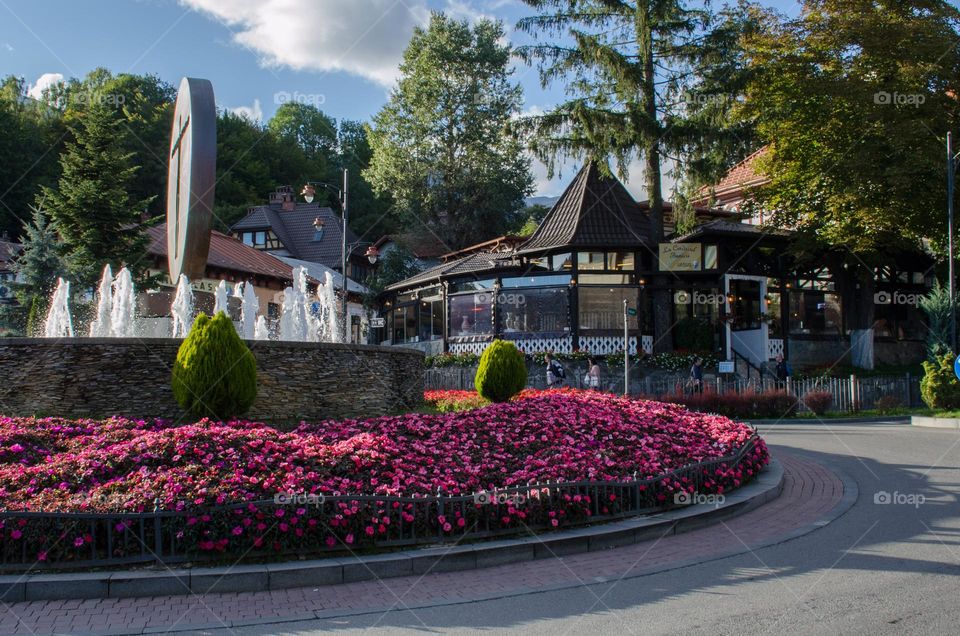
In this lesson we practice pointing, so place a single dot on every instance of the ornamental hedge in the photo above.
(215, 374)
(502, 372)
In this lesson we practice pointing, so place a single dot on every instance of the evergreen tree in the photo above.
(39, 264)
(92, 210)
(626, 65)
(439, 145)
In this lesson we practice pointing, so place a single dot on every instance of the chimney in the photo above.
(284, 198)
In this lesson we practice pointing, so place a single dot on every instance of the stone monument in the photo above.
(191, 178)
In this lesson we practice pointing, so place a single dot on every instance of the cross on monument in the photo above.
(177, 151)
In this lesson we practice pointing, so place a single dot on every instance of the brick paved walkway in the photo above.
(810, 492)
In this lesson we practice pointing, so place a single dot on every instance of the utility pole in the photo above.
(343, 262)
(951, 172)
(626, 351)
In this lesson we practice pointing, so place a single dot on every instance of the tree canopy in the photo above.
(440, 147)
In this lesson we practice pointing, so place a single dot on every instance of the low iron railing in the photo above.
(46, 540)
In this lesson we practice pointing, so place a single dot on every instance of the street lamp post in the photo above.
(951, 173)
(308, 192)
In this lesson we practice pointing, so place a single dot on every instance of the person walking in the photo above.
(593, 374)
(555, 372)
(696, 375)
(782, 370)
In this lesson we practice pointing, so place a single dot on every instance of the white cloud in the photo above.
(361, 37)
(253, 113)
(43, 82)
(8, 46)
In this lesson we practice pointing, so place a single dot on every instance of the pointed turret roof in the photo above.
(595, 210)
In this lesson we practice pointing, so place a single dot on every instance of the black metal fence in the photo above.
(852, 393)
(305, 524)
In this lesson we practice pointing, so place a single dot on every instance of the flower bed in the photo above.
(453, 400)
(244, 488)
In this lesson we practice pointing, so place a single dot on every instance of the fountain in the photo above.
(182, 308)
(59, 324)
(100, 327)
(124, 305)
(220, 299)
(248, 313)
(261, 332)
(328, 309)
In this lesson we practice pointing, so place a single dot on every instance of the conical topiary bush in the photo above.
(215, 374)
(502, 372)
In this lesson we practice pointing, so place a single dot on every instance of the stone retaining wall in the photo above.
(99, 377)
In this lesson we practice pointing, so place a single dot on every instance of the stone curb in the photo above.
(947, 423)
(899, 419)
(277, 576)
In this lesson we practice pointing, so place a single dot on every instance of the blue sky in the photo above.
(338, 54)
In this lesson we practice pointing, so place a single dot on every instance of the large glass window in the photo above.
(471, 315)
(562, 262)
(534, 311)
(814, 312)
(602, 307)
(590, 260)
(471, 285)
(709, 257)
(431, 319)
(620, 261)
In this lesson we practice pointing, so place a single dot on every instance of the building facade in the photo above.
(732, 286)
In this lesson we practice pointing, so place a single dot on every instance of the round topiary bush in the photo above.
(939, 387)
(502, 372)
(215, 374)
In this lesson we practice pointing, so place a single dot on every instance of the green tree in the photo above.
(307, 127)
(28, 132)
(853, 97)
(501, 372)
(95, 217)
(626, 65)
(39, 264)
(439, 145)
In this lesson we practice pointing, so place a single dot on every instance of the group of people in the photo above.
(557, 374)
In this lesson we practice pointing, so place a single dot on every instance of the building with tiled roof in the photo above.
(565, 287)
(305, 231)
(233, 261)
(734, 188)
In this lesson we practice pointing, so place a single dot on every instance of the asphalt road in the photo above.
(881, 568)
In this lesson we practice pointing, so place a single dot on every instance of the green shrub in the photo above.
(215, 374)
(502, 372)
(693, 334)
(939, 387)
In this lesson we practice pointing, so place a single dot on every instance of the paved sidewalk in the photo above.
(810, 492)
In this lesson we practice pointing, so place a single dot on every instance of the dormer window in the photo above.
(318, 229)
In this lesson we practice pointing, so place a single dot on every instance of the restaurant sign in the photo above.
(680, 257)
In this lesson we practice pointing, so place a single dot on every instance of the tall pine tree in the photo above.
(631, 68)
(91, 209)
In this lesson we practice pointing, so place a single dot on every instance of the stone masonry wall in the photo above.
(99, 377)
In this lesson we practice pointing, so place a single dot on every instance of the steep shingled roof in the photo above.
(295, 230)
(594, 210)
(742, 176)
